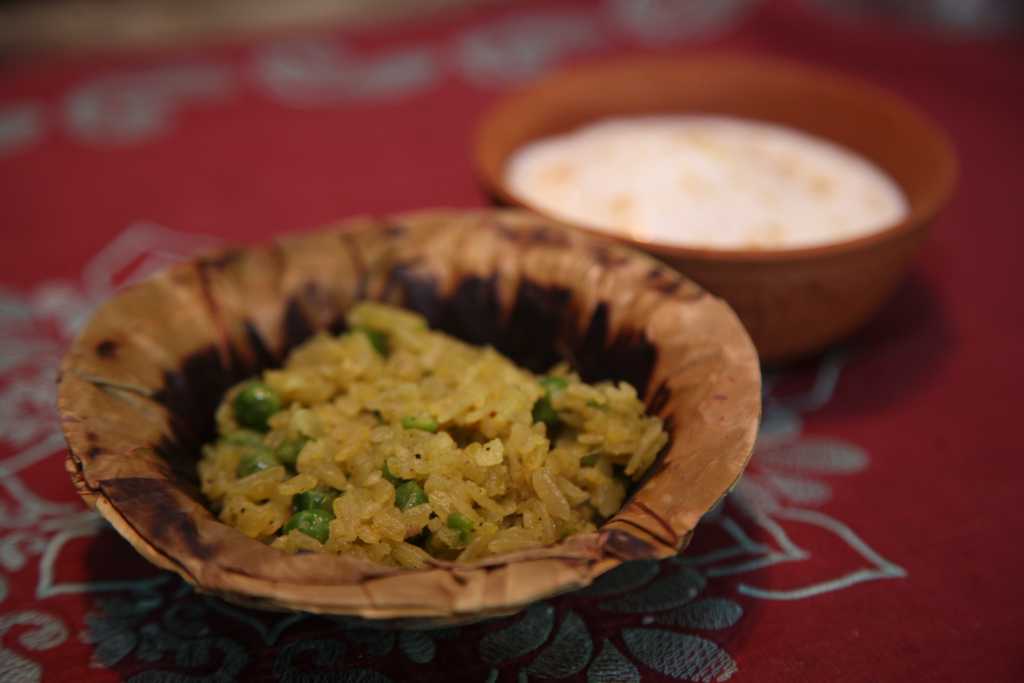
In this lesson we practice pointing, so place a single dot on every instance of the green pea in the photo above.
(378, 340)
(256, 459)
(254, 405)
(553, 385)
(409, 495)
(314, 523)
(389, 477)
(544, 412)
(320, 498)
(598, 406)
(425, 424)
(288, 451)
(243, 437)
(589, 460)
(462, 524)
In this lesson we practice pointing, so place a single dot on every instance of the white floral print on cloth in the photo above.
(673, 618)
(787, 480)
(138, 105)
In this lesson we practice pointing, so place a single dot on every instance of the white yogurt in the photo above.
(706, 181)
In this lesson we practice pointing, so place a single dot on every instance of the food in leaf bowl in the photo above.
(426, 418)
(396, 443)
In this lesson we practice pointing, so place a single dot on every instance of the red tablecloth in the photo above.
(877, 535)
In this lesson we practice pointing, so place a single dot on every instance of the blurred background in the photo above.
(72, 26)
(268, 116)
(30, 27)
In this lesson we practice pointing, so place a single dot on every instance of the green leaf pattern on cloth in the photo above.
(324, 654)
(610, 666)
(679, 655)
(625, 577)
(645, 593)
(710, 613)
(568, 652)
(417, 646)
(519, 638)
(664, 593)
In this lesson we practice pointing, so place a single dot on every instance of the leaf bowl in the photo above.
(139, 386)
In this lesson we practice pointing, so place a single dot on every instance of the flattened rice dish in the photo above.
(397, 443)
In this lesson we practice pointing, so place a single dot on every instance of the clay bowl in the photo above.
(793, 301)
(139, 386)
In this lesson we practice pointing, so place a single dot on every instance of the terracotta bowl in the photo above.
(793, 301)
(139, 386)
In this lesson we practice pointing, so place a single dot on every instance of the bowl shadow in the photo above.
(905, 346)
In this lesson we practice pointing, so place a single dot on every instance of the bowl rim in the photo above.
(935, 198)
